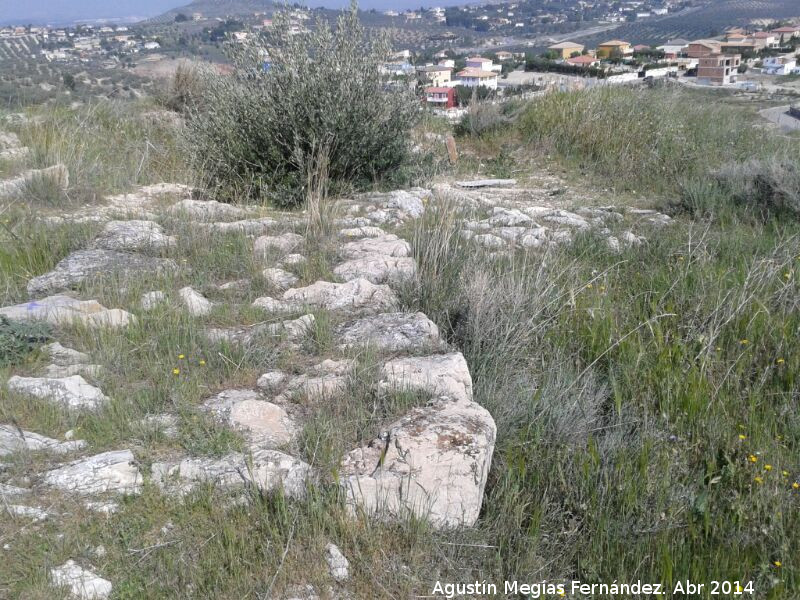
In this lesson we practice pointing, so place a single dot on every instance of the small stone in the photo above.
(630, 239)
(70, 392)
(151, 300)
(279, 278)
(488, 240)
(285, 242)
(272, 380)
(195, 302)
(83, 584)
(292, 260)
(338, 565)
(365, 231)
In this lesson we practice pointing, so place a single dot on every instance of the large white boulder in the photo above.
(133, 236)
(378, 268)
(264, 424)
(432, 464)
(387, 245)
(197, 304)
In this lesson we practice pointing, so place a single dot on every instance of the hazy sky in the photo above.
(65, 11)
(19, 11)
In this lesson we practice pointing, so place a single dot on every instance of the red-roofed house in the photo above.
(784, 34)
(583, 61)
(440, 97)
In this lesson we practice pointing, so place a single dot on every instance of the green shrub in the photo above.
(18, 339)
(768, 186)
(322, 92)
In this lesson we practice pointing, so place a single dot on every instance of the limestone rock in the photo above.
(64, 310)
(294, 330)
(206, 210)
(58, 174)
(197, 304)
(133, 236)
(63, 356)
(409, 203)
(285, 242)
(58, 371)
(378, 268)
(364, 231)
(30, 512)
(390, 332)
(264, 424)
(508, 217)
(279, 278)
(151, 300)
(272, 380)
(13, 439)
(83, 584)
(245, 226)
(387, 245)
(291, 260)
(268, 470)
(478, 183)
(338, 565)
(489, 240)
(82, 265)
(70, 392)
(432, 463)
(358, 295)
(439, 374)
(113, 471)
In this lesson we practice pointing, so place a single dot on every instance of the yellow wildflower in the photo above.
(758, 480)
(780, 361)
(768, 467)
(181, 357)
(795, 485)
(752, 458)
(176, 371)
(744, 342)
(785, 473)
(201, 362)
(742, 436)
(777, 563)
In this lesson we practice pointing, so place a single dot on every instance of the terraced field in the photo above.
(704, 21)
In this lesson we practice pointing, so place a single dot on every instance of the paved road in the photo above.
(781, 117)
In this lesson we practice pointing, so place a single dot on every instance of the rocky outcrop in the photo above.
(206, 210)
(285, 242)
(356, 296)
(377, 268)
(68, 392)
(432, 463)
(83, 265)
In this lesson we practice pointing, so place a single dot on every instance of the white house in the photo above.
(472, 77)
(779, 65)
(482, 64)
